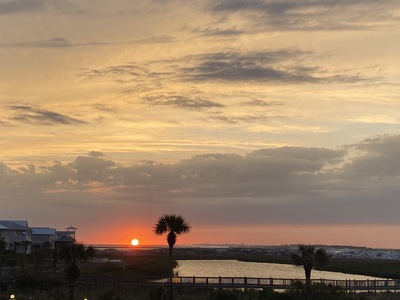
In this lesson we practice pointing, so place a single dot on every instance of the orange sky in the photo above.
(361, 235)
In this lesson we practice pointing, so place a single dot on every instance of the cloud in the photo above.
(90, 168)
(180, 102)
(284, 185)
(217, 31)
(237, 119)
(308, 154)
(3, 123)
(376, 158)
(3, 170)
(61, 42)
(38, 116)
(310, 14)
(58, 42)
(131, 70)
(261, 103)
(104, 107)
(21, 6)
(282, 66)
(274, 66)
(96, 154)
(34, 6)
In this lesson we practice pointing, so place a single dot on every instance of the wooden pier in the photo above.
(239, 282)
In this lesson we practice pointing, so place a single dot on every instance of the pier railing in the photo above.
(239, 282)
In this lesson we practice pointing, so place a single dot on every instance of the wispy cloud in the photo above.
(129, 69)
(35, 6)
(181, 102)
(261, 103)
(20, 6)
(61, 42)
(39, 116)
(57, 42)
(236, 119)
(269, 66)
(311, 15)
(275, 66)
(218, 31)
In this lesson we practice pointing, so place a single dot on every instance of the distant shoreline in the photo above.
(225, 246)
(255, 253)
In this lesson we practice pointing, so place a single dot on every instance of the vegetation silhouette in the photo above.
(309, 257)
(173, 226)
(71, 253)
(37, 281)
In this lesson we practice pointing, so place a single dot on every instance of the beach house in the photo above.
(16, 235)
(20, 238)
(43, 237)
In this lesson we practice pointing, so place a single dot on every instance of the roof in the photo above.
(43, 230)
(65, 238)
(13, 225)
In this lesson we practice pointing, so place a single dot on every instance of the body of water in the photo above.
(234, 268)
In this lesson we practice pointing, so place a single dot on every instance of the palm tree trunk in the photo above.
(308, 283)
(170, 252)
(171, 274)
(71, 288)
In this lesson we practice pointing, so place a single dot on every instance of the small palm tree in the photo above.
(309, 257)
(72, 253)
(73, 274)
(3, 246)
(172, 225)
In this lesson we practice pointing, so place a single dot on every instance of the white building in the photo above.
(43, 236)
(17, 235)
(49, 237)
(22, 239)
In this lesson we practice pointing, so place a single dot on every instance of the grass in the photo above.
(376, 268)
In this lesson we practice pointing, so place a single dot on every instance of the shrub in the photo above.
(109, 294)
(223, 295)
(269, 294)
(319, 291)
(29, 282)
(156, 293)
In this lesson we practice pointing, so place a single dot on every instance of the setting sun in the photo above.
(135, 242)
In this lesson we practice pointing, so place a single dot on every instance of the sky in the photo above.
(261, 122)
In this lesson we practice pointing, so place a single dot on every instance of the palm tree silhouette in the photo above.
(173, 225)
(309, 257)
(72, 253)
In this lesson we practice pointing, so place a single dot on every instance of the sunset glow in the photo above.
(260, 122)
(135, 242)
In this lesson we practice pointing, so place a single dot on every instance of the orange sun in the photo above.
(135, 242)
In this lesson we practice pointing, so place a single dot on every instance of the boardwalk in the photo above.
(239, 282)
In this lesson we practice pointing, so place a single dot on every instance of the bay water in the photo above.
(234, 268)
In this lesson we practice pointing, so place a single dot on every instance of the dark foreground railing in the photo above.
(238, 282)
